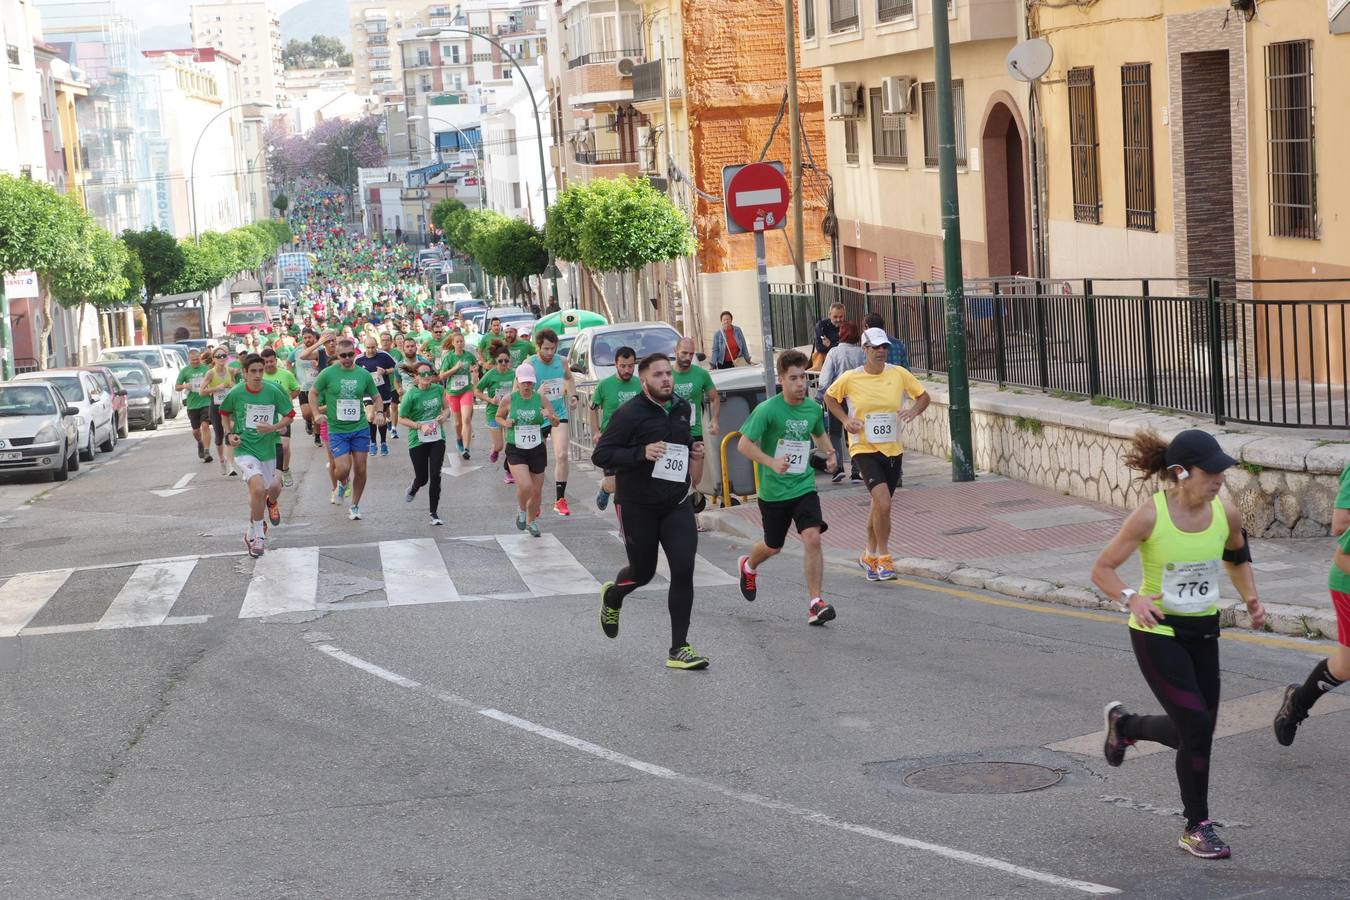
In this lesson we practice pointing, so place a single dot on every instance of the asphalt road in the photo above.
(378, 741)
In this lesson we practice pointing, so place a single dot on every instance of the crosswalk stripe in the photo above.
(148, 595)
(24, 595)
(705, 573)
(414, 572)
(546, 566)
(284, 580)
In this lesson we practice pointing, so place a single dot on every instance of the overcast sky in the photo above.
(147, 13)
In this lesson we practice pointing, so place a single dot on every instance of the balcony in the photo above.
(595, 78)
(605, 157)
(602, 56)
(658, 79)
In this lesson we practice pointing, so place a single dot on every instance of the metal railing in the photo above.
(1269, 352)
(651, 80)
(605, 157)
(602, 56)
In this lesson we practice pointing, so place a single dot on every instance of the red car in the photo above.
(243, 319)
(118, 394)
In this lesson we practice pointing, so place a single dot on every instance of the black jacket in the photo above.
(623, 447)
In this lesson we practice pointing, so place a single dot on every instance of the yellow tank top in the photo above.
(1183, 566)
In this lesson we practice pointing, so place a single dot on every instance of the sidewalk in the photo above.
(1029, 542)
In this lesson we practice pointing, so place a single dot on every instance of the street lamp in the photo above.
(192, 169)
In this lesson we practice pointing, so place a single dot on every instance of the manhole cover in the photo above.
(984, 778)
(965, 529)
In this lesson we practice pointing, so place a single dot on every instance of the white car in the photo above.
(162, 365)
(82, 390)
(592, 356)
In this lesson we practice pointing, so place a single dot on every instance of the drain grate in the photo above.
(984, 778)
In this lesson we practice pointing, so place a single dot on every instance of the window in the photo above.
(424, 57)
(1290, 151)
(424, 83)
(851, 141)
(515, 195)
(888, 133)
(1087, 185)
(894, 10)
(843, 15)
(1137, 106)
(809, 20)
(930, 122)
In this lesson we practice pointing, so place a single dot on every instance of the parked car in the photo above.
(118, 393)
(507, 314)
(145, 409)
(243, 319)
(198, 343)
(592, 355)
(276, 300)
(456, 293)
(84, 392)
(428, 258)
(39, 430)
(461, 305)
(162, 364)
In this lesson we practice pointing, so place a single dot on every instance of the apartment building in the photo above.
(250, 31)
(21, 127)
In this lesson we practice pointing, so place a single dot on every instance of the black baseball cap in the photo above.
(1194, 447)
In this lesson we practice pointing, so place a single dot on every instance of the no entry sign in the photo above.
(758, 191)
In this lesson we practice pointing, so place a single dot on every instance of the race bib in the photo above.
(879, 428)
(219, 396)
(674, 466)
(1191, 587)
(379, 378)
(429, 438)
(503, 394)
(459, 382)
(551, 389)
(256, 414)
(797, 453)
(349, 410)
(527, 437)
(196, 384)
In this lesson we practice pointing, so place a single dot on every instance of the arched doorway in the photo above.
(1006, 214)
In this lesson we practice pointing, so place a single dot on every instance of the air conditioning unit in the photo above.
(895, 95)
(625, 66)
(844, 100)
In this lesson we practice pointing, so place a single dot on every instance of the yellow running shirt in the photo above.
(875, 400)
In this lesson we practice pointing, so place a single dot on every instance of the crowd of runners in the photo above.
(366, 352)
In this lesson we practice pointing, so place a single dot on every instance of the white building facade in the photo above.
(250, 31)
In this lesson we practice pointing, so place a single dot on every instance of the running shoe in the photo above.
(342, 489)
(869, 565)
(436, 520)
(885, 568)
(1114, 747)
(273, 511)
(207, 458)
(520, 521)
(201, 452)
(1288, 718)
(410, 493)
(309, 427)
(492, 457)
(384, 449)
(686, 658)
(286, 479)
(1201, 841)
(533, 529)
(819, 613)
(561, 507)
(465, 455)
(749, 580)
(508, 478)
(254, 545)
(459, 445)
(333, 498)
(393, 433)
(602, 500)
(234, 473)
(838, 477)
(318, 441)
(354, 513)
(609, 615)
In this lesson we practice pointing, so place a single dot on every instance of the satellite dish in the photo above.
(1029, 60)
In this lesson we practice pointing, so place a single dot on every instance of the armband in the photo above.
(1241, 555)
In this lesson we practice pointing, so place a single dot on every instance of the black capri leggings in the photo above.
(647, 531)
(217, 425)
(427, 458)
(1183, 673)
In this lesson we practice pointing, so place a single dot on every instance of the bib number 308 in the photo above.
(674, 465)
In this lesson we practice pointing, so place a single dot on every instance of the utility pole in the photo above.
(958, 382)
(6, 336)
(795, 143)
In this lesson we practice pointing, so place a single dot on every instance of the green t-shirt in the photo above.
(781, 429)
(693, 386)
(520, 351)
(496, 385)
(283, 379)
(420, 405)
(462, 381)
(341, 394)
(396, 353)
(408, 379)
(612, 393)
(1338, 580)
(525, 412)
(194, 377)
(270, 404)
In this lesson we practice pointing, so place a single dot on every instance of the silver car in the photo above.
(39, 431)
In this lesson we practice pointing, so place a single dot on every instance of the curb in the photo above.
(1281, 618)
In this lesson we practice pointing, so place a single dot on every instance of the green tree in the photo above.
(444, 210)
(205, 265)
(96, 279)
(315, 53)
(161, 259)
(566, 219)
(249, 249)
(134, 273)
(513, 249)
(281, 203)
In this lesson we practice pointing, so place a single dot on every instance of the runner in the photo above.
(555, 384)
(337, 397)
(493, 336)
(425, 407)
(608, 396)
(1331, 673)
(695, 385)
(872, 419)
(191, 378)
(648, 445)
(255, 413)
(519, 348)
(1181, 532)
(493, 389)
(777, 437)
(523, 416)
(218, 381)
(306, 370)
(389, 345)
(287, 382)
(456, 371)
(381, 367)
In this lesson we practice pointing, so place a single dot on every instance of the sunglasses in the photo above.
(221, 356)
(346, 356)
(425, 373)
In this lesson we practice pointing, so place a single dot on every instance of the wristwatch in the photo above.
(1125, 596)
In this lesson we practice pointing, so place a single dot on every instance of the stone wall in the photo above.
(1285, 485)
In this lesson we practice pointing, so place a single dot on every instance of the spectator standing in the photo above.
(729, 347)
(827, 335)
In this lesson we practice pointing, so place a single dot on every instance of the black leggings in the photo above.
(381, 430)
(646, 531)
(217, 425)
(426, 460)
(1183, 673)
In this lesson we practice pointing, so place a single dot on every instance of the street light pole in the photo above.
(192, 168)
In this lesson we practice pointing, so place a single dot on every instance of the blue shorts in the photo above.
(492, 423)
(340, 443)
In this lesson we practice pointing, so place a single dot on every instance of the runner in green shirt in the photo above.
(197, 403)
(492, 389)
(519, 348)
(609, 395)
(777, 437)
(255, 413)
(339, 396)
(524, 416)
(424, 406)
(456, 372)
(284, 379)
(695, 385)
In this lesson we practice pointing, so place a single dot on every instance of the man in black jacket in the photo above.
(648, 443)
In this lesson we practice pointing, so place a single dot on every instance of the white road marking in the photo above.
(414, 572)
(23, 596)
(183, 482)
(705, 573)
(546, 566)
(813, 816)
(148, 595)
(285, 580)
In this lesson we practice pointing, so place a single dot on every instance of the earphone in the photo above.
(1182, 472)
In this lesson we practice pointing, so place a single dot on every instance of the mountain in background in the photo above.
(166, 37)
(313, 17)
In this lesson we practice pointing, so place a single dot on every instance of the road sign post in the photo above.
(756, 198)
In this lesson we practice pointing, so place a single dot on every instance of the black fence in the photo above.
(1261, 352)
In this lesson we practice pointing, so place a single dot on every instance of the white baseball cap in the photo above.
(875, 337)
(525, 372)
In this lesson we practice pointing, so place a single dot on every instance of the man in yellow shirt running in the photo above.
(868, 401)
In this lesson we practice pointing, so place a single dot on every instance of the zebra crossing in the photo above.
(415, 571)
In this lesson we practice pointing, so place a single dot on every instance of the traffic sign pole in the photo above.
(765, 319)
